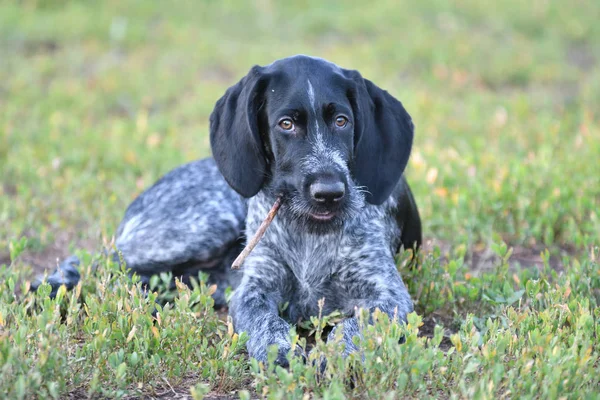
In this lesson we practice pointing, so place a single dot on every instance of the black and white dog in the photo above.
(334, 146)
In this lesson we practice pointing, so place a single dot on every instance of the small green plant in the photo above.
(16, 247)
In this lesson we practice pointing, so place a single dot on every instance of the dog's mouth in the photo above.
(319, 218)
(323, 215)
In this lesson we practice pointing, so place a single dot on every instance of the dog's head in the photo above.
(322, 136)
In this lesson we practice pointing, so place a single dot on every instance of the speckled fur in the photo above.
(188, 221)
(346, 260)
(194, 218)
(350, 268)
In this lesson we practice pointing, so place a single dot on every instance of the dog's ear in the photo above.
(382, 139)
(234, 134)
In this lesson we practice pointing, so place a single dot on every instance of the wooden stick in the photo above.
(258, 235)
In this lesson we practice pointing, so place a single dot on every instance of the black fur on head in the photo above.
(323, 136)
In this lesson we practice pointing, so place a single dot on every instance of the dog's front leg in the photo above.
(254, 309)
(350, 327)
(388, 294)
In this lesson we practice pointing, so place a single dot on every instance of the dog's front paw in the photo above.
(259, 349)
(282, 356)
(318, 361)
(343, 334)
(276, 333)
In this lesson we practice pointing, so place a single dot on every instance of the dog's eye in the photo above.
(341, 121)
(286, 124)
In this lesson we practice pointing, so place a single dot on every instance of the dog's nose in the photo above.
(327, 192)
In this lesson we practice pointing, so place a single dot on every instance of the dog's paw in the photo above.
(319, 362)
(65, 274)
(343, 334)
(282, 356)
(260, 352)
(283, 352)
(274, 332)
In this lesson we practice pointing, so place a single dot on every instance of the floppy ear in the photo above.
(382, 139)
(234, 134)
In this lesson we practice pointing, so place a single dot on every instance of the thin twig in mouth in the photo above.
(258, 235)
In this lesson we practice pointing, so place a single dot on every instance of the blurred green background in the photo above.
(99, 99)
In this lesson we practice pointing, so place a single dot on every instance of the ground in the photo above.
(98, 100)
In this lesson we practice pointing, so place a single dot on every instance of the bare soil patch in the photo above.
(428, 329)
(48, 258)
(484, 259)
(581, 56)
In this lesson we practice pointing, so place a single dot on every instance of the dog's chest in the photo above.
(322, 266)
(317, 268)
(312, 261)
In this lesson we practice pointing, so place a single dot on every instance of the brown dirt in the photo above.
(8, 189)
(48, 258)
(484, 259)
(428, 329)
(4, 258)
(167, 391)
(581, 56)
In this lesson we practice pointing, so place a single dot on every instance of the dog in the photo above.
(333, 146)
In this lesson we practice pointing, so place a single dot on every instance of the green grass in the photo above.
(98, 100)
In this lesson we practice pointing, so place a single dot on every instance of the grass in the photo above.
(98, 100)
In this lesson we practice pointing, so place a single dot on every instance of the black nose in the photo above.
(327, 192)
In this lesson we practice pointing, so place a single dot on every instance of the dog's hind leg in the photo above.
(188, 221)
(222, 275)
(66, 274)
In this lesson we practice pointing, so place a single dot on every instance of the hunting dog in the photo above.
(334, 147)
